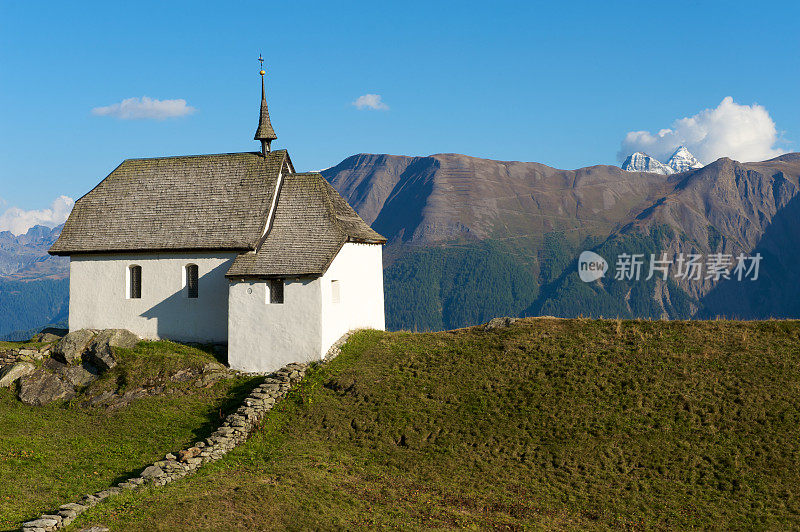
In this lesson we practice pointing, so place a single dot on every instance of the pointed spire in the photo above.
(264, 132)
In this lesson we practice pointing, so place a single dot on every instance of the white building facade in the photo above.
(313, 313)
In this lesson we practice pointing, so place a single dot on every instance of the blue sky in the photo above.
(557, 83)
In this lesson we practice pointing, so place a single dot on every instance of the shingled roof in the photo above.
(264, 130)
(201, 202)
(311, 224)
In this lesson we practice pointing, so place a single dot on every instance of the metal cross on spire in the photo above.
(261, 62)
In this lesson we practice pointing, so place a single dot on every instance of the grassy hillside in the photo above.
(565, 424)
(53, 454)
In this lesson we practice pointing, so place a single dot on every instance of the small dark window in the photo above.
(192, 290)
(136, 282)
(276, 291)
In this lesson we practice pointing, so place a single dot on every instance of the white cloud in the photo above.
(18, 221)
(371, 101)
(144, 107)
(741, 132)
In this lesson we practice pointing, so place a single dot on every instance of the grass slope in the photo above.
(53, 454)
(565, 424)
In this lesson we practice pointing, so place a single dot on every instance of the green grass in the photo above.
(550, 424)
(54, 454)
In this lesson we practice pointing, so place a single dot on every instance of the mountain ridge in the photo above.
(540, 217)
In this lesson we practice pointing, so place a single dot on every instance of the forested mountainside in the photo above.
(34, 288)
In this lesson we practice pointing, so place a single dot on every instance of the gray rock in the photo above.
(101, 356)
(50, 334)
(45, 338)
(70, 348)
(499, 323)
(42, 387)
(73, 506)
(191, 452)
(41, 523)
(213, 366)
(210, 378)
(81, 375)
(95, 528)
(116, 338)
(12, 372)
(152, 472)
(75, 375)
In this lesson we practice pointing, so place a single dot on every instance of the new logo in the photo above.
(591, 266)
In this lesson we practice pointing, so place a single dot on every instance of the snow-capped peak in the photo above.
(683, 160)
(641, 162)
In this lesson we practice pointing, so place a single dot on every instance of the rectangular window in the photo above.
(135, 282)
(192, 290)
(276, 291)
(335, 294)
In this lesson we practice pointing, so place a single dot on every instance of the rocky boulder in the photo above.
(100, 353)
(101, 356)
(75, 375)
(116, 338)
(42, 387)
(152, 472)
(49, 334)
(12, 372)
(71, 348)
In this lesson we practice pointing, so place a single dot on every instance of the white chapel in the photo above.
(233, 248)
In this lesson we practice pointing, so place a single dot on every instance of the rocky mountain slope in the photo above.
(482, 235)
(445, 197)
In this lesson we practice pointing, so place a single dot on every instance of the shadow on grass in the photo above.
(218, 351)
(214, 418)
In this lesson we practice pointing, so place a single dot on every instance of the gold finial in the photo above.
(261, 62)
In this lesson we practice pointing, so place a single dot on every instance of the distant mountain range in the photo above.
(34, 287)
(680, 161)
(471, 239)
(25, 256)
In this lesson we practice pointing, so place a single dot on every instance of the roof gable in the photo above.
(311, 223)
(176, 203)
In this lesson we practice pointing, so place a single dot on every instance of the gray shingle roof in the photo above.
(264, 130)
(210, 202)
(311, 223)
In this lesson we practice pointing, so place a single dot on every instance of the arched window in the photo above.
(135, 282)
(275, 292)
(192, 281)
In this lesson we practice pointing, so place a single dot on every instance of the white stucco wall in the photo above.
(358, 268)
(265, 336)
(98, 295)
